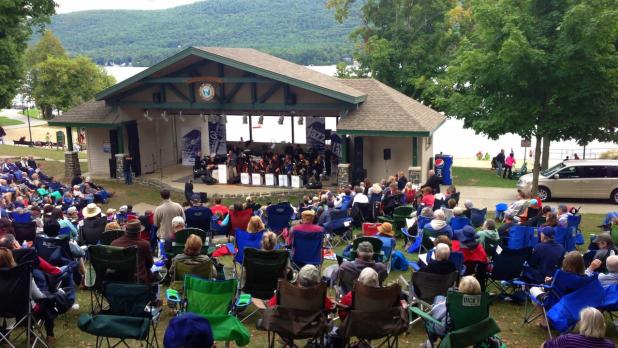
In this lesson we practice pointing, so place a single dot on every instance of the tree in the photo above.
(542, 68)
(406, 44)
(64, 82)
(17, 20)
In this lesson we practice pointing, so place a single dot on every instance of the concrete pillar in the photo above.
(414, 175)
(344, 177)
(119, 166)
(71, 164)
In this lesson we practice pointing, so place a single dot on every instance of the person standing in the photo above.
(2, 135)
(433, 181)
(508, 166)
(127, 162)
(189, 190)
(164, 214)
(500, 158)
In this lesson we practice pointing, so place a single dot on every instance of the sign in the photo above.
(270, 180)
(60, 138)
(296, 181)
(335, 146)
(245, 179)
(107, 147)
(284, 180)
(217, 138)
(207, 91)
(526, 142)
(222, 169)
(256, 179)
(316, 133)
(191, 145)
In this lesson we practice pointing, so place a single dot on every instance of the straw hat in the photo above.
(91, 210)
(386, 229)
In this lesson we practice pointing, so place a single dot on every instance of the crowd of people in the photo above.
(74, 212)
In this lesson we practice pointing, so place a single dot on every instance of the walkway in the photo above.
(490, 196)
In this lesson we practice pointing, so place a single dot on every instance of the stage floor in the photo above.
(176, 176)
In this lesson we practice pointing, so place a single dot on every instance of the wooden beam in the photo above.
(264, 97)
(178, 93)
(221, 88)
(133, 91)
(162, 91)
(213, 79)
(253, 93)
(231, 106)
(235, 89)
(192, 92)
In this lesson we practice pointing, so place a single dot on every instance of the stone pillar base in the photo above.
(344, 177)
(119, 166)
(414, 175)
(71, 164)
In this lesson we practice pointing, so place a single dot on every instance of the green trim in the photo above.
(81, 124)
(231, 106)
(344, 150)
(109, 92)
(415, 151)
(383, 133)
(120, 137)
(225, 80)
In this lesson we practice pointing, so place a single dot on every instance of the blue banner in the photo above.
(316, 133)
(335, 146)
(191, 145)
(217, 138)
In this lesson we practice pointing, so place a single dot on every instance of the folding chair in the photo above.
(378, 254)
(361, 212)
(468, 320)
(610, 303)
(261, 271)
(421, 222)
(184, 267)
(214, 300)
(240, 219)
(180, 238)
(307, 248)
(381, 307)
(55, 250)
(244, 240)
(15, 303)
(299, 314)
(129, 315)
(109, 264)
(109, 236)
(24, 231)
(521, 237)
(199, 218)
(346, 202)
(279, 217)
(477, 216)
(388, 246)
(417, 246)
(219, 230)
(563, 315)
(400, 214)
(426, 286)
(459, 222)
(340, 225)
(506, 267)
(566, 237)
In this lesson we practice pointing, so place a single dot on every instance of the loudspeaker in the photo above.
(387, 154)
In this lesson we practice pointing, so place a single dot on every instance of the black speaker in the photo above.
(387, 154)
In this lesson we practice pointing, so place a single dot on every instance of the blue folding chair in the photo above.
(346, 203)
(421, 222)
(388, 246)
(610, 303)
(279, 217)
(573, 222)
(307, 248)
(22, 218)
(458, 222)
(199, 218)
(244, 240)
(218, 230)
(566, 237)
(55, 250)
(521, 237)
(339, 224)
(477, 216)
(563, 315)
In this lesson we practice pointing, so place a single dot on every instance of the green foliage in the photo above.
(5, 121)
(48, 45)
(17, 19)
(302, 31)
(63, 82)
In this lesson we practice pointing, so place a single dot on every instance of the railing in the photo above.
(590, 153)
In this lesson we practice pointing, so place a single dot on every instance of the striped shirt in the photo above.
(577, 341)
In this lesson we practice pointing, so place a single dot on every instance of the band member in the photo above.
(274, 166)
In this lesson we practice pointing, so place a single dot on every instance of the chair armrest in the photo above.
(426, 316)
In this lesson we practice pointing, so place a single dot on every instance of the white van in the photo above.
(576, 179)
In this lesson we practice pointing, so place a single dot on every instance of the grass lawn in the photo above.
(5, 121)
(464, 176)
(34, 113)
(13, 150)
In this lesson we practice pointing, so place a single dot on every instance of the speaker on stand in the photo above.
(387, 157)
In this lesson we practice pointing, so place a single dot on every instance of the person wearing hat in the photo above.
(308, 276)
(93, 225)
(467, 243)
(606, 249)
(364, 259)
(144, 256)
(307, 224)
(189, 331)
(546, 255)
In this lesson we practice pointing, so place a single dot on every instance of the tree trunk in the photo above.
(545, 153)
(537, 164)
(47, 112)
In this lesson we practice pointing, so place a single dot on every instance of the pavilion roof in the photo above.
(90, 114)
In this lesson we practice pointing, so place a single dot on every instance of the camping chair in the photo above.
(459, 222)
(307, 248)
(199, 219)
(388, 246)
(15, 303)
(129, 315)
(244, 240)
(240, 219)
(400, 214)
(421, 222)
(55, 250)
(375, 203)
(24, 231)
(219, 230)
(566, 237)
(468, 320)
(361, 212)
(299, 314)
(339, 225)
(417, 246)
(108, 237)
(573, 222)
(379, 306)
(378, 254)
(279, 217)
(214, 300)
(180, 238)
(477, 216)
(610, 303)
(563, 283)
(346, 202)
(426, 286)
(506, 267)
(108, 263)
(521, 237)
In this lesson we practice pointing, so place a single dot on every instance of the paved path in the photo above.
(490, 196)
(15, 115)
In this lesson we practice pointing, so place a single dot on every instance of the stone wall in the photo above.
(344, 177)
(71, 164)
(119, 166)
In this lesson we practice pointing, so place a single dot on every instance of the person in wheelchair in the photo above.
(191, 255)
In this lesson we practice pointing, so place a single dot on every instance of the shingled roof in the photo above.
(387, 110)
(90, 114)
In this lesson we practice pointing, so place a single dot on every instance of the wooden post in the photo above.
(69, 139)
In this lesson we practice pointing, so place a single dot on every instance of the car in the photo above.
(576, 179)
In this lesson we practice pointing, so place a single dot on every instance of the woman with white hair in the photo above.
(368, 277)
(591, 333)
(438, 226)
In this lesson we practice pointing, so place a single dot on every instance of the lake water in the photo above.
(451, 138)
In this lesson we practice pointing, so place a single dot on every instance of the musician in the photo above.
(260, 166)
(318, 167)
(288, 165)
(274, 166)
(301, 167)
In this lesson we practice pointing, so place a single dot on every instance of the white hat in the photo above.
(123, 209)
(91, 210)
(71, 210)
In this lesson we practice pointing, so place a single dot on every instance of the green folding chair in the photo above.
(376, 243)
(128, 315)
(109, 264)
(108, 237)
(468, 320)
(180, 238)
(182, 268)
(400, 214)
(214, 300)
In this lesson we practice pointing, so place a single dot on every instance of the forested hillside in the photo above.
(303, 31)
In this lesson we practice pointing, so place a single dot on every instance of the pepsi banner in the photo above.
(316, 133)
(442, 167)
(217, 138)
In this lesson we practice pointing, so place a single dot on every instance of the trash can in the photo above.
(442, 168)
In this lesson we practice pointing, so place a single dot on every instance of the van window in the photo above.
(612, 171)
(593, 171)
(569, 173)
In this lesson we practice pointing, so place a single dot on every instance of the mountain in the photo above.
(303, 31)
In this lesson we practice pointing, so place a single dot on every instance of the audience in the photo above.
(591, 333)
(546, 256)
(438, 225)
(144, 255)
(255, 225)
(192, 255)
(163, 216)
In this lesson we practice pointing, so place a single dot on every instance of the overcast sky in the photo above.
(83, 5)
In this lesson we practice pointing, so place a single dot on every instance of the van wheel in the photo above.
(543, 193)
(614, 196)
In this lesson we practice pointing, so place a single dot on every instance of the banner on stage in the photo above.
(217, 138)
(245, 179)
(335, 145)
(256, 179)
(222, 169)
(284, 180)
(271, 179)
(316, 133)
(296, 181)
(191, 145)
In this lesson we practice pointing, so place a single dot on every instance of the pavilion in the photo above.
(159, 115)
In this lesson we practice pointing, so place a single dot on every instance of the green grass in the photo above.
(464, 176)
(5, 121)
(58, 155)
(34, 113)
